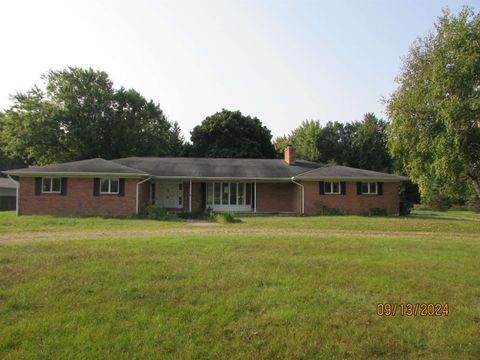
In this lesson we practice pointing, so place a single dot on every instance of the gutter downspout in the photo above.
(255, 197)
(190, 197)
(136, 205)
(18, 188)
(303, 194)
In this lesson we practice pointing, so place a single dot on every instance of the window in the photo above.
(216, 193)
(331, 187)
(248, 194)
(369, 188)
(229, 193)
(241, 192)
(51, 185)
(225, 193)
(109, 186)
(233, 193)
(210, 193)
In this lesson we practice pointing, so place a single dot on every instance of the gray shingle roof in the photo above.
(84, 167)
(206, 168)
(218, 168)
(340, 172)
(6, 183)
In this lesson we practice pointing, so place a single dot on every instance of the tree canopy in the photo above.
(305, 139)
(435, 111)
(79, 115)
(229, 134)
(360, 144)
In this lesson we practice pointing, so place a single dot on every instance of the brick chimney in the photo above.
(290, 155)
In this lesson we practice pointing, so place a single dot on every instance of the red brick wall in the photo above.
(351, 203)
(297, 199)
(275, 197)
(143, 195)
(78, 201)
(271, 197)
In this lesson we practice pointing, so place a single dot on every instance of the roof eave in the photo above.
(72, 174)
(217, 178)
(346, 178)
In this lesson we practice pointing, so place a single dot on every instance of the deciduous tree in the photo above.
(229, 134)
(79, 115)
(435, 111)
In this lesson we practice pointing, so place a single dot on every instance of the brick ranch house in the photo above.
(125, 186)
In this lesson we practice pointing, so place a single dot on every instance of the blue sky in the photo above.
(282, 61)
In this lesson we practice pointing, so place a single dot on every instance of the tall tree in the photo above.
(280, 143)
(178, 141)
(371, 144)
(305, 139)
(329, 143)
(359, 144)
(229, 134)
(435, 111)
(79, 115)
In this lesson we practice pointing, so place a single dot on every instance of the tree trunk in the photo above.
(475, 183)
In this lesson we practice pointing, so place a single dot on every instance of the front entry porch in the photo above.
(233, 196)
(192, 196)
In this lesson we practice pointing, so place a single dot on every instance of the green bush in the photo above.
(153, 212)
(435, 200)
(324, 210)
(377, 212)
(474, 205)
(225, 217)
(196, 215)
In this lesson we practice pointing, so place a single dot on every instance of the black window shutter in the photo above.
(343, 188)
(38, 185)
(96, 186)
(204, 195)
(121, 187)
(321, 188)
(63, 187)
(380, 188)
(359, 188)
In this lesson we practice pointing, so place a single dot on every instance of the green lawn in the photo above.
(271, 294)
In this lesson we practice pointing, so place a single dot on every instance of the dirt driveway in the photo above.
(194, 230)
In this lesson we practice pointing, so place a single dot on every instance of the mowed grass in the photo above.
(10, 223)
(419, 221)
(241, 296)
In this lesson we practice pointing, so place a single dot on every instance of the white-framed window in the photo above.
(369, 188)
(331, 187)
(229, 193)
(109, 186)
(51, 185)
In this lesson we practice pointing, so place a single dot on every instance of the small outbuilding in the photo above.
(8, 194)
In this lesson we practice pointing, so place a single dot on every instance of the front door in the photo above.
(169, 194)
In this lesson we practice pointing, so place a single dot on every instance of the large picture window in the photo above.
(248, 194)
(109, 186)
(216, 192)
(227, 193)
(51, 185)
